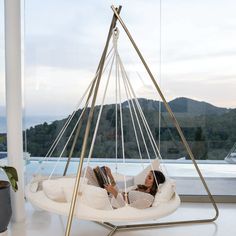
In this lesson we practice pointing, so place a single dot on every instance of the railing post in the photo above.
(14, 101)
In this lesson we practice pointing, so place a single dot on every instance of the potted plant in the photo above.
(5, 201)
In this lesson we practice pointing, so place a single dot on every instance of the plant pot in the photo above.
(5, 205)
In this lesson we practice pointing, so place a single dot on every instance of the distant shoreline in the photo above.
(29, 121)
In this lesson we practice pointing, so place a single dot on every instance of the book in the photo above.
(101, 175)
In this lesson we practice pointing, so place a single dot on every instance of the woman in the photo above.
(141, 196)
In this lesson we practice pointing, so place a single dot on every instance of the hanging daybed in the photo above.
(93, 202)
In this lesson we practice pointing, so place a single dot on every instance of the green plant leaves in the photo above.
(12, 176)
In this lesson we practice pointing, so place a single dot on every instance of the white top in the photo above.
(137, 199)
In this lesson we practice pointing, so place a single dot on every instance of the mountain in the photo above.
(182, 105)
(209, 130)
(186, 105)
(29, 121)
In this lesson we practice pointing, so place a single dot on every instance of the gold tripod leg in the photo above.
(87, 130)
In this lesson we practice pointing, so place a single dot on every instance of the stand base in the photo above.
(115, 228)
(5, 233)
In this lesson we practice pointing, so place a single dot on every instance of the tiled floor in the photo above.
(41, 223)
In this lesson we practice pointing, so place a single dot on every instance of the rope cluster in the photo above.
(137, 116)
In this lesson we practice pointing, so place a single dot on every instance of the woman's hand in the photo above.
(111, 189)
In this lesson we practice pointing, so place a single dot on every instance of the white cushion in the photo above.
(36, 183)
(165, 192)
(140, 200)
(34, 187)
(140, 178)
(54, 188)
(53, 191)
(95, 197)
(69, 189)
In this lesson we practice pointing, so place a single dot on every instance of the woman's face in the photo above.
(149, 180)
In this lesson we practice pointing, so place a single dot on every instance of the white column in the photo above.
(14, 101)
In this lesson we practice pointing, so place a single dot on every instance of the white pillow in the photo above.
(140, 178)
(165, 192)
(140, 200)
(53, 188)
(95, 197)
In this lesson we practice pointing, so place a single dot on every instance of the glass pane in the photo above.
(199, 81)
(3, 145)
(199, 73)
(3, 140)
(61, 58)
(191, 52)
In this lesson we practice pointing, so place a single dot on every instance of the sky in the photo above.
(189, 45)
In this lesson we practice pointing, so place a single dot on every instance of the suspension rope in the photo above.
(61, 133)
(128, 89)
(121, 120)
(49, 153)
(132, 119)
(153, 143)
(136, 115)
(160, 79)
(72, 132)
(150, 136)
(138, 106)
(77, 133)
(58, 138)
(115, 38)
(98, 119)
(147, 128)
(116, 110)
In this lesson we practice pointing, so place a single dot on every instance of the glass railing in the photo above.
(2, 81)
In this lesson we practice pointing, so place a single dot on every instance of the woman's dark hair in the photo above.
(159, 178)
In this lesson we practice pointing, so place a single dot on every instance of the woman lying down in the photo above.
(141, 196)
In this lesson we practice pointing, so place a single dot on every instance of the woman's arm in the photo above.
(111, 189)
(117, 199)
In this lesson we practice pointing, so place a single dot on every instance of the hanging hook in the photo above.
(115, 36)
